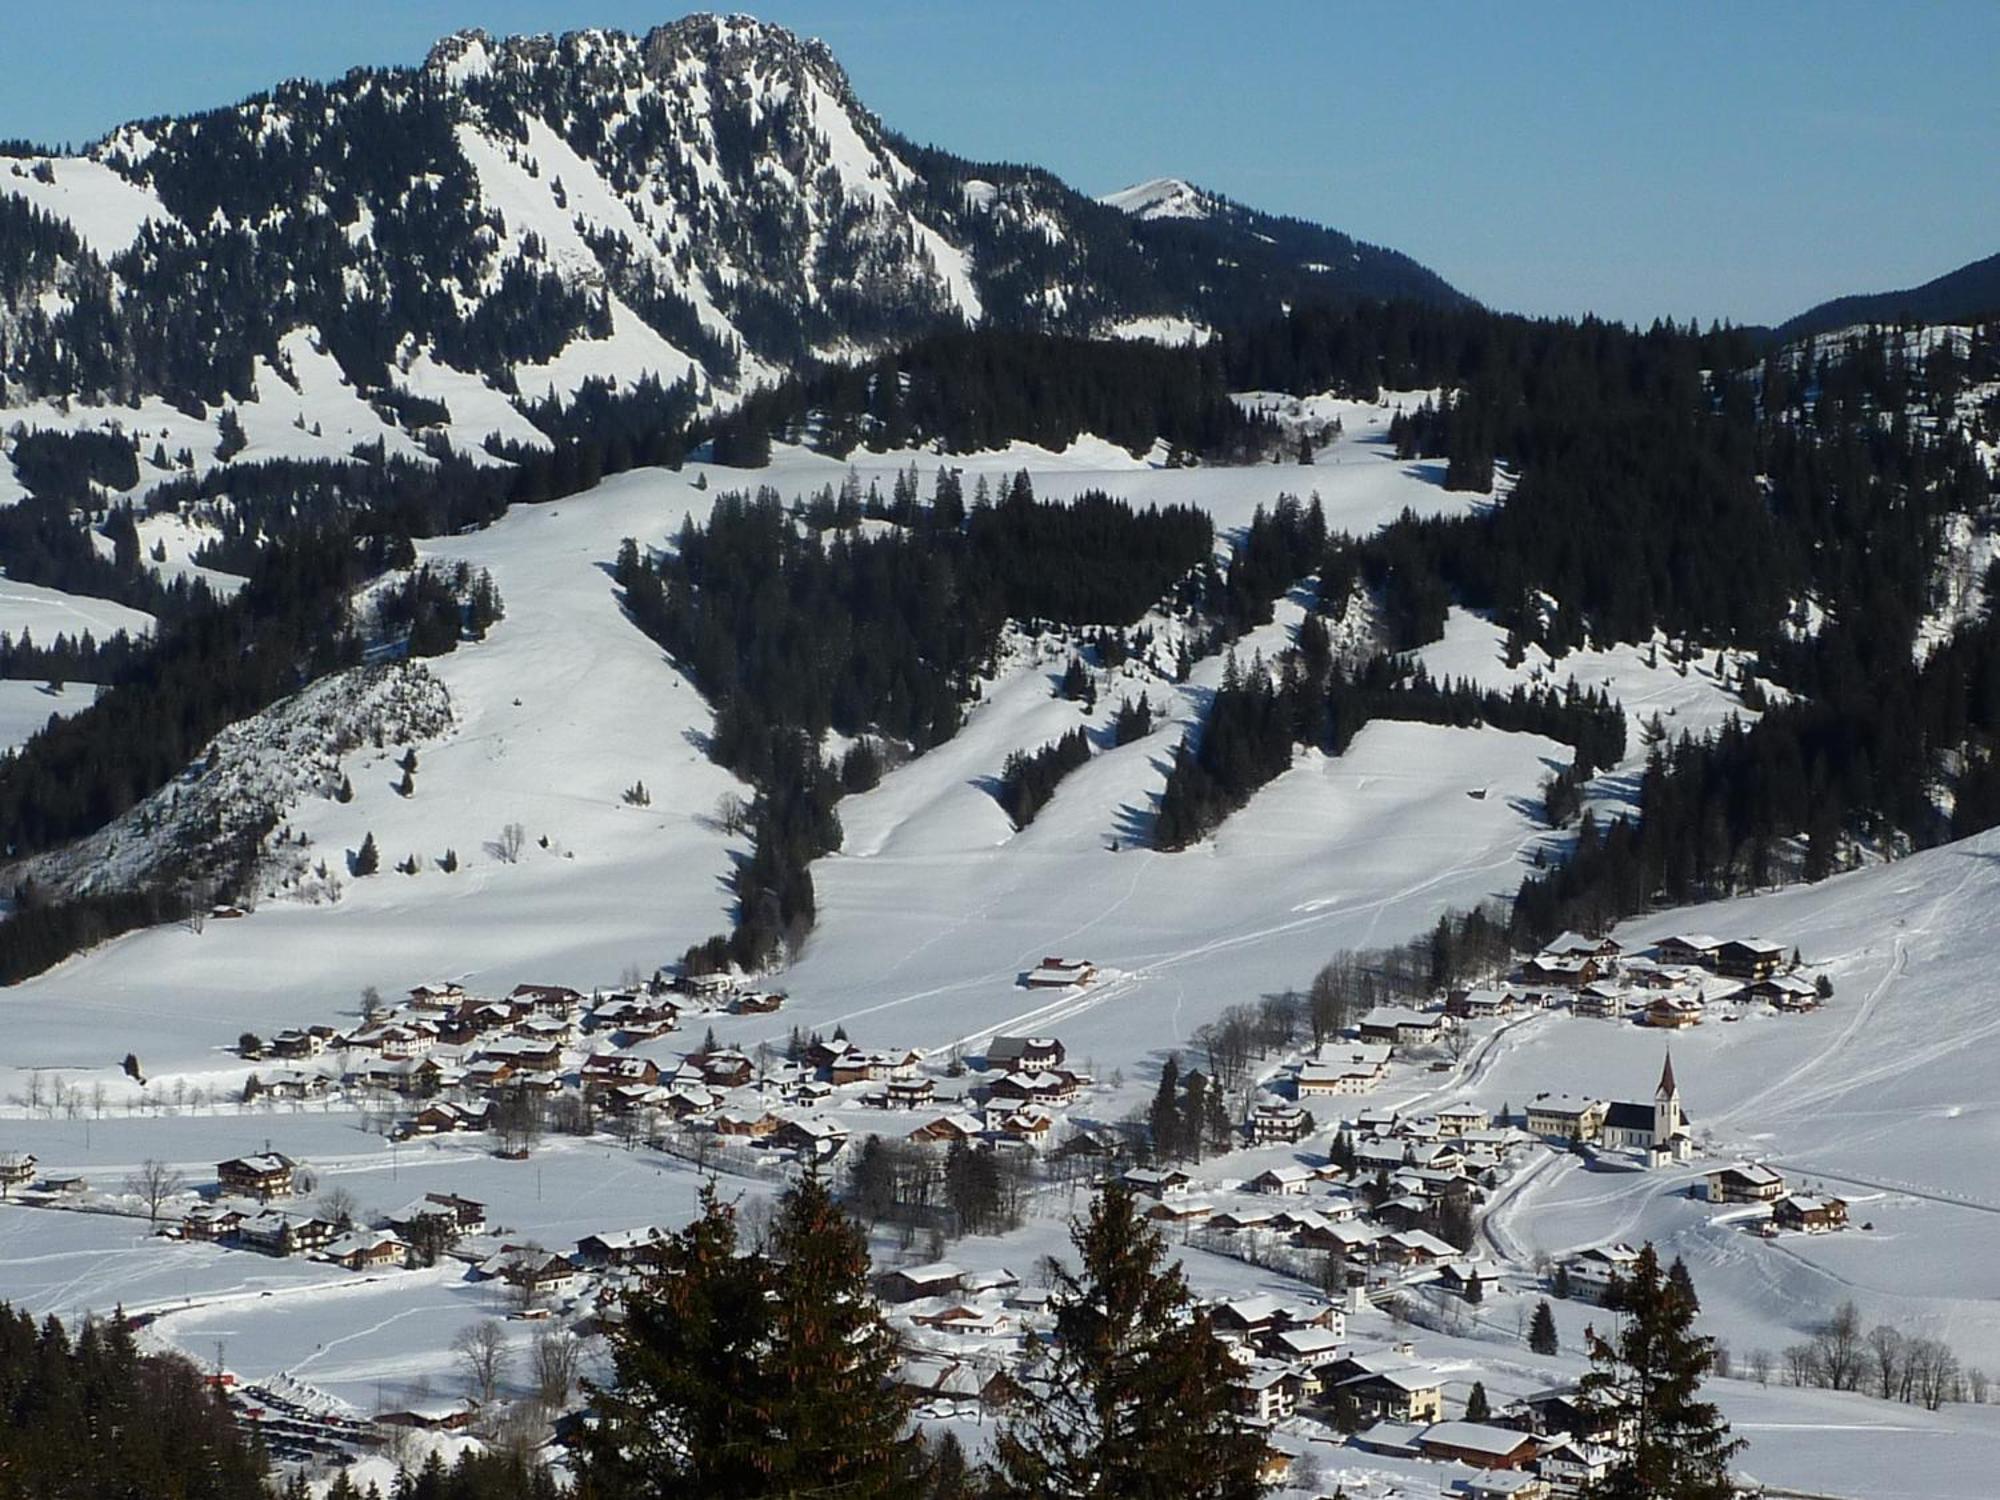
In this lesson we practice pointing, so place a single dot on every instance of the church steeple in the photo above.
(1666, 1106)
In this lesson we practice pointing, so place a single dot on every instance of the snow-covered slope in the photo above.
(566, 705)
(1161, 198)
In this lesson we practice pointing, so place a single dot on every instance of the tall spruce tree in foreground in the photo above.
(1134, 1401)
(1651, 1370)
(688, 1355)
(749, 1375)
(836, 1423)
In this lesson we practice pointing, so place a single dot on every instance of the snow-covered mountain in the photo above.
(709, 202)
(1161, 198)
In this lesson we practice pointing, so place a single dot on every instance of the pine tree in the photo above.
(1477, 1407)
(367, 859)
(1221, 1133)
(1192, 1120)
(1682, 1283)
(680, 1416)
(1542, 1335)
(835, 1421)
(1135, 1398)
(1651, 1370)
(753, 1375)
(1165, 1116)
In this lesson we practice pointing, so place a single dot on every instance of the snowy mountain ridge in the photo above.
(1161, 198)
(708, 203)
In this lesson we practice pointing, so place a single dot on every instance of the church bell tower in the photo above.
(1666, 1106)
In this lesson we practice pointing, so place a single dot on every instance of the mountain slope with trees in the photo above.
(1967, 295)
(709, 201)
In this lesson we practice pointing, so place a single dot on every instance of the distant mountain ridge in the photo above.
(707, 204)
(1970, 293)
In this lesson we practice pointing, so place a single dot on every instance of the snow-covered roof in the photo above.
(936, 1271)
(1477, 1437)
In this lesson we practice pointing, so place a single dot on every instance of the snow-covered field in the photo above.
(47, 613)
(936, 904)
(26, 706)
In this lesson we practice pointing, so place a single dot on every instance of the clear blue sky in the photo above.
(1736, 160)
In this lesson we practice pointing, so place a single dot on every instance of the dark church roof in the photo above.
(1629, 1117)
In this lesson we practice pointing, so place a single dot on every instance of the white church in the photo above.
(1658, 1130)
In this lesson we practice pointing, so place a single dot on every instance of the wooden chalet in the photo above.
(367, 1250)
(912, 1283)
(296, 1044)
(1696, 948)
(909, 1093)
(211, 1222)
(1749, 958)
(1059, 973)
(606, 1070)
(1399, 1392)
(1789, 992)
(263, 1177)
(1287, 1180)
(1035, 1088)
(1745, 1182)
(1479, 1004)
(1809, 1215)
(1030, 1124)
(1457, 1121)
(1591, 1271)
(1272, 1124)
(1401, 1026)
(1674, 1012)
(280, 1234)
(814, 1136)
(1165, 1182)
(726, 1070)
(956, 1126)
(1600, 1002)
(1544, 971)
(1578, 945)
(523, 1054)
(1480, 1444)
(622, 1247)
(1014, 1054)
(535, 1273)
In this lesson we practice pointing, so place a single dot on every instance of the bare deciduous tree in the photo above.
(337, 1206)
(1838, 1348)
(154, 1182)
(482, 1358)
(1885, 1348)
(557, 1354)
(732, 815)
(510, 843)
